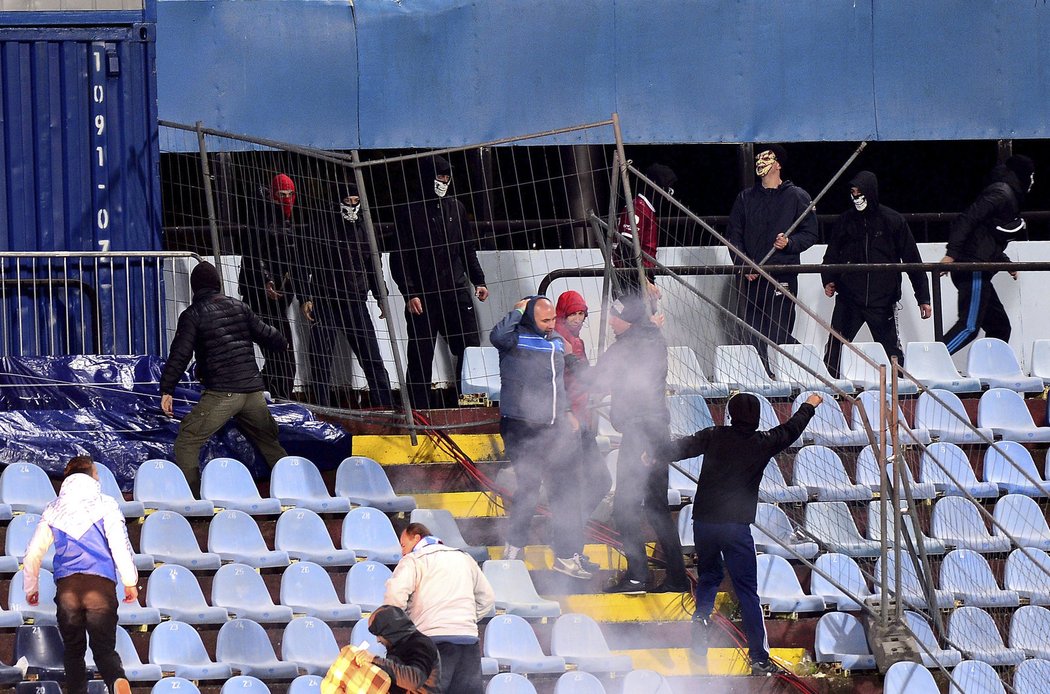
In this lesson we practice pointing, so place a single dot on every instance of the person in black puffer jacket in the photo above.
(980, 234)
(412, 659)
(222, 332)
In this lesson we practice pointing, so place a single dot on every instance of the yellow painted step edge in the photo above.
(398, 450)
(462, 504)
(671, 662)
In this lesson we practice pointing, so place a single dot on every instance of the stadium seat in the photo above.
(767, 416)
(911, 589)
(812, 374)
(8, 619)
(840, 638)
(841, 570)
(511, 640)
(175, 592)
(931, 544)
(772, 529)
(244, 646)
(108, 483)
(974, 632)
(366, 584)
(679, 483)
(1028, 572)
(869, 400)
(774, 489)
(930, 650)
(819, 469)
(305, 684)
(868, 475)
(1022, 520)
(307, 589)
(904, 677)
(160, 485)
(1029, 627)
(44, 613)
(177, 647)
(740, 367)
(828, 426)
(510, 683)
(41, 646)
(1031, 676)
(46, 687)
(24, 488)
(297, 482)
(489, 667)
(176, 685)
(779, 589)
(132, 613)
(967, 575)
(481, 372)
(832, 524)
(168, 537)
(957, 522)
(685, 529)
(943, 414)
(235, 537)
(363, 481)
(228, 484)
(309, 643)
(515, 593)
(930, 364)
(1006, 414)
(946, 466)
(369, 533)
(246, 684)
(303, 535)
(993, 362)
(579, 640)
(646, 681)
(360, 635)
(689, 414)
(1010, 465)
(856, 368)
(975, 677)
(16, 541)
(686, 377)
(578, 683)
(134, 669)
(1041, 360)
(241, 590)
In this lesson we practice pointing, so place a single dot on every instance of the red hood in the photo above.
(283, 182)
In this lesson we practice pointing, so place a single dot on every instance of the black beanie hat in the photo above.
(778, 151)
(1023, 167)
(661, 175)
(744, 411)
(205, 276)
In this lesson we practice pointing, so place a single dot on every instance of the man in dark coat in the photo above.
(222, 332)
(725, 504)
(341, 271)
(870, 232)
(980, 234)
(434, 266)
(411, 660)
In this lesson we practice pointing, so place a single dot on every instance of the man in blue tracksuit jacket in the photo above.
(537, 425)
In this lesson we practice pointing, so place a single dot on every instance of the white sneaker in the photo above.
(571, 567)
(511, 552)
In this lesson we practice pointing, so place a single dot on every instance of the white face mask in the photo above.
(764, 162)
(349, 212)
(860, 202)
(440, 188)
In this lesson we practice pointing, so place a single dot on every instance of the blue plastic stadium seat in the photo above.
(175, 592)
(161, 485)
(363, 481)
(307, 588)
(235, 536)
(646, 681)
(45, 687)
(41, 646)
(134, 669)
(25, 488)
(489, 666)
(810, 373)
(930, 364)
(515, 593)
(168, 537)
(932, 544)
(819, 469)
(578, 683)
(909, 678)
(1029, 627)
(685, 529)
(443, 525)
(1031, 676)
(16, 541)
(108, 483)
(579, 640)
(297, 482)
(740, 367)
(689, 414)
(993, 362)
(679, 484)
(1041, 360)
(957, 521)
(510, 640)
(686, 377)
(912, 593)
(175, 685)
(869, 400)
(856, 368)
(832, 524)
(510, 683)
(868, 475)
(974, 632)
(1023, 520)
(177, 647)
(132, 613)
(481, 372)
(366, 584)
(842, 570)
(975, 677)
(1010, 465)
(241, 590)
(828, 426)
(244, 646)
(967, 575)
(244, 684)
(840, 638)
(44, 613)
(947, 467)
(309, 643)
(923, 632)
(228, 484)
(304, 536)
(369, 533)
(305, 684)
(774, 489)
(361, 635)
(772, 530)
(943, 414)
(1005, 413)
(778, 587)
(1028, 572)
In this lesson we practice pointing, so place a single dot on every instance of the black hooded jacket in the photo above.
(876, 235)
(974, 237)
(268, 252)
(412, 659)
(759, 214)
(435, 252)
(734, 459)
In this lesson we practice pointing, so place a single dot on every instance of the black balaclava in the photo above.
(349, 212)
(662, 176)
(1023, 168)
(391, 623)
(744, 411)
(205, 277)
(868, 185)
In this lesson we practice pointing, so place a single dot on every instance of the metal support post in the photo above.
(636, 242)
(213, 225)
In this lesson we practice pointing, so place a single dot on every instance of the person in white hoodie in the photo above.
(92, 553)
(444, 592)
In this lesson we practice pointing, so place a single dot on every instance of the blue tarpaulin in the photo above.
(108, 407)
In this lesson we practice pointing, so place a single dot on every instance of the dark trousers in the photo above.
(641, 494)
(211, 414)
(593, 477)
(543, 454)
(848, 318)
(979, 309)
(451, 315)
(87, 610)
(347, 317)
(460, 667)
(278, 369)
(764, 307)
(730, 545)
